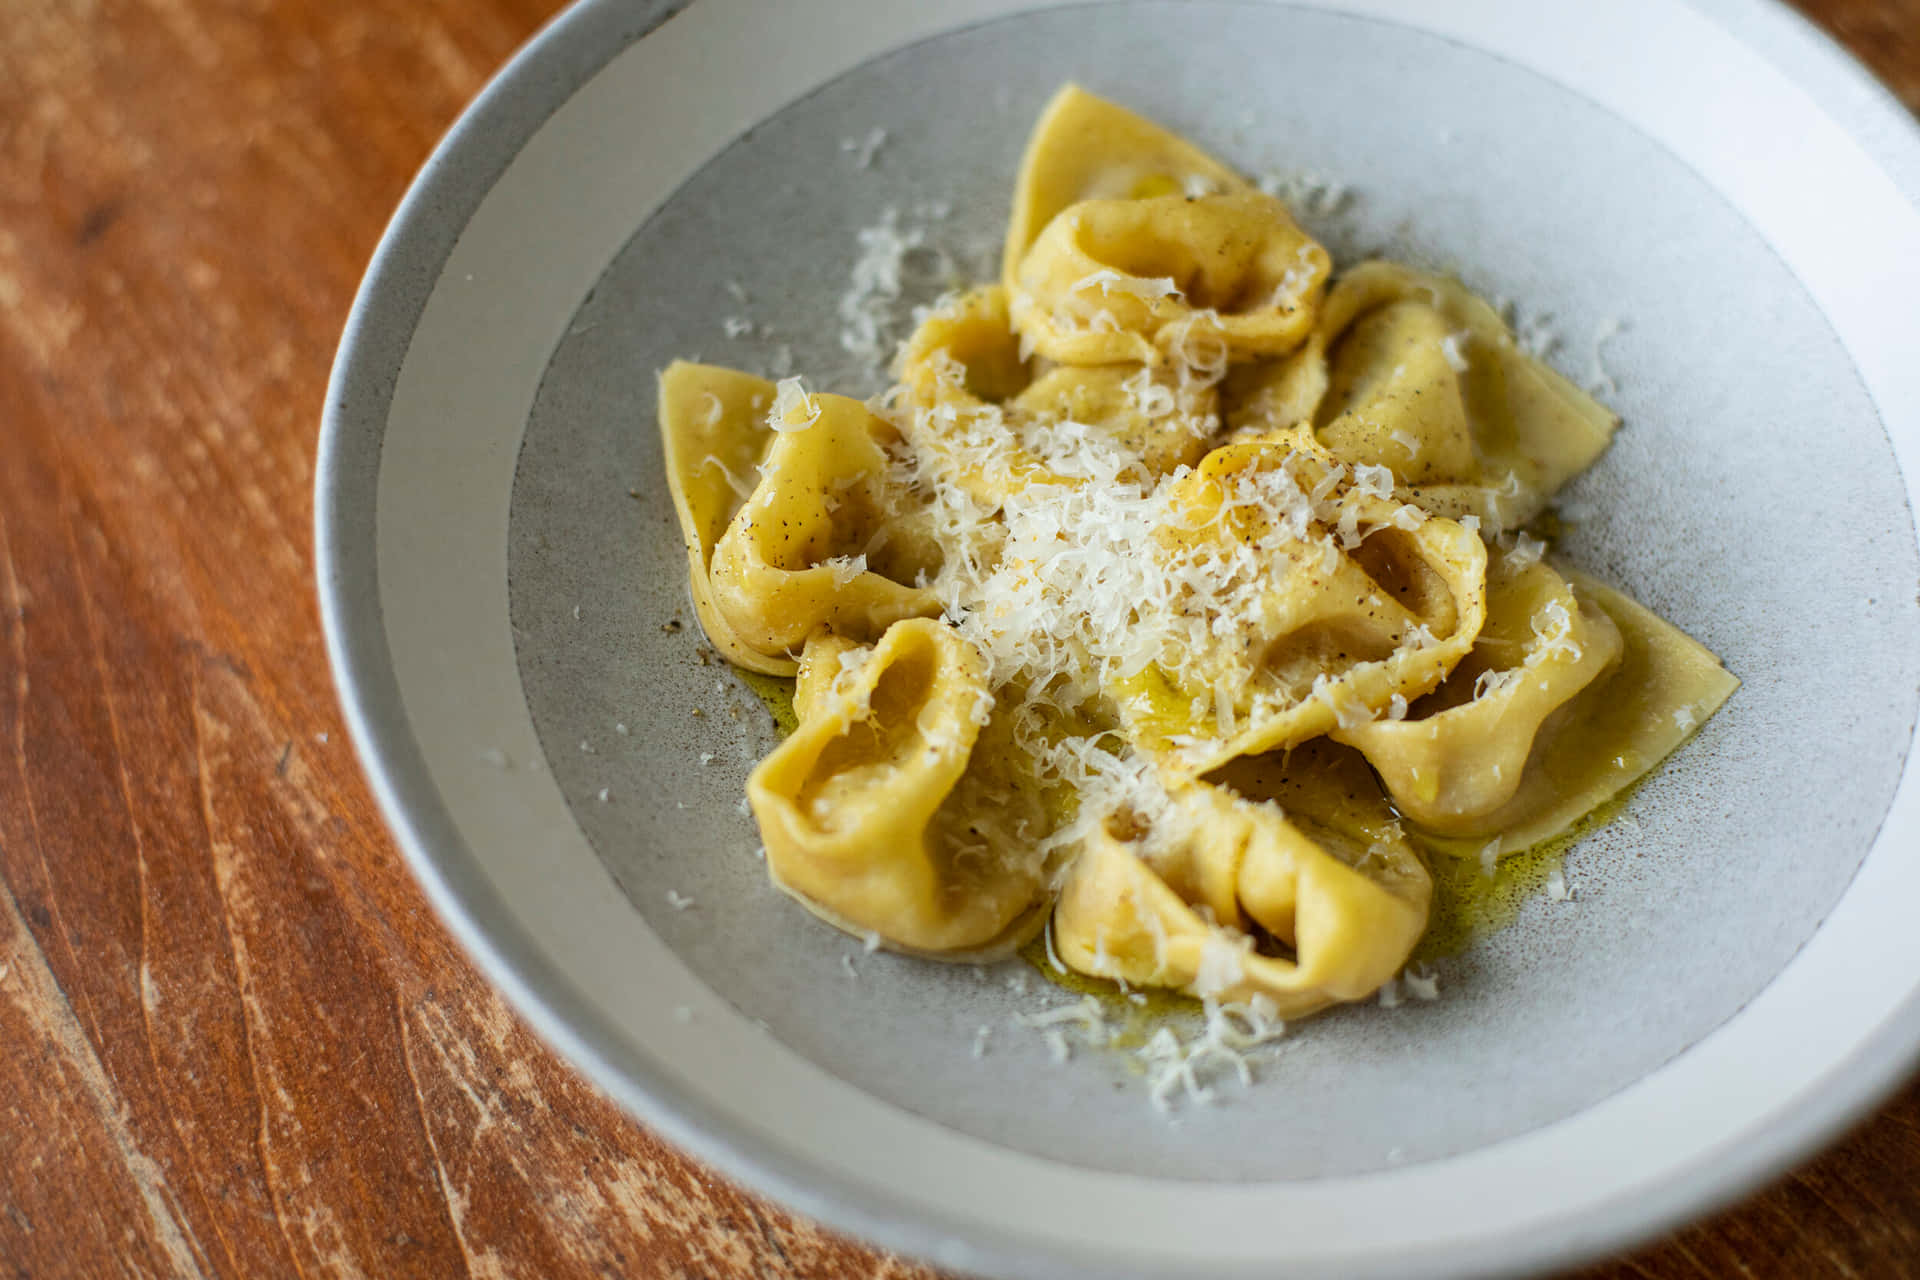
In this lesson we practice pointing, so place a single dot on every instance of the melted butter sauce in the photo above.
(1130, 1021)
(1469, 905)
(776, 695)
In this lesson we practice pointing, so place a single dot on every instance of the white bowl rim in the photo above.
(401, 275)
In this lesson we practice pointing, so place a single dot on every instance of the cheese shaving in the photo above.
(1183, 1069)
(794, 408)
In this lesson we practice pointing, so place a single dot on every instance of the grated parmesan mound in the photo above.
(1048, 580)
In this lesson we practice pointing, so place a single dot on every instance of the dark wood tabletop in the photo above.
(234, 1040)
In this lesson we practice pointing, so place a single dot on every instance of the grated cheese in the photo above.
(864, 149)
(845, 568)
(1180, 1069)
(1525, 552)
(1085, 1015)
(1490, 857)
(1421, 982)
(1553, 633)
(894, 266)
(1109, 282)
(1492, 681)
(792, 397)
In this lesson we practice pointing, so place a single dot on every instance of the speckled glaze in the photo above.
(1748, 429)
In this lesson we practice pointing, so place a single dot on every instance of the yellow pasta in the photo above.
(1409, 371)
(976, 394)
(1461, 755)
(1197, 279)
(1227, 899)
(1171, 596)
(855, 806)
(1343, 605)
(824, 540)
(1086, 148)
(1663, 686)
(714, 433)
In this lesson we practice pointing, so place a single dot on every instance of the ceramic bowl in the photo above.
(1711, 184)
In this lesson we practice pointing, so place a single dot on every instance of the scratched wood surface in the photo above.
(233, 1039)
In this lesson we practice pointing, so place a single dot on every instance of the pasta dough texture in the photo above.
(1175, 596)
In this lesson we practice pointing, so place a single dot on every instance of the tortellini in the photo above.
(1086, 148)
(713, 432)
(858, 807)
(1201, 279)
(1171, 596)
(824, 540)
(1409, 371)
(979, 398)
(1226, 898)
(1460, 756)
(1341, 606)
(1602, 736)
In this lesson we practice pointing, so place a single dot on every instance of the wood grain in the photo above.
(233, 1040)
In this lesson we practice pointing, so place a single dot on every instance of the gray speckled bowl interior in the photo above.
(1745, 422)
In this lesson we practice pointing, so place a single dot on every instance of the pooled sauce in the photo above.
(776, 695)
(1469, 905)
(1131, 1016)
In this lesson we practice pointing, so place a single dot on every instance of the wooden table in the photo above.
(233, 1039)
